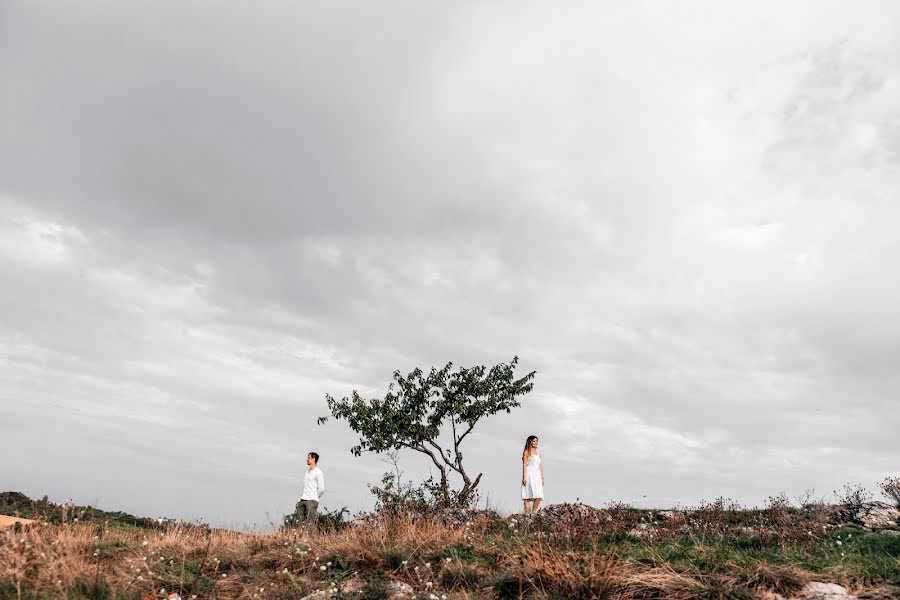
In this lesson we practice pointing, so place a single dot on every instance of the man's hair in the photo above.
(315, 457)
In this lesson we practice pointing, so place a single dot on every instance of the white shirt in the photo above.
(313, 484)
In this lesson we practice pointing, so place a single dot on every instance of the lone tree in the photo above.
(417, 409)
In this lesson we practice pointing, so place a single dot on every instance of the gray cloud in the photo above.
(211, 215)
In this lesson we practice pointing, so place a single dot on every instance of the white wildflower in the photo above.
(323, 568)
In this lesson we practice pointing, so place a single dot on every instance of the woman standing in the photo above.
(532, 475)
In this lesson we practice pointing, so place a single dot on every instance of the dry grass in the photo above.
(601, 554)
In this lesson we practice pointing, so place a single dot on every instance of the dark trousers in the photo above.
(307, 510)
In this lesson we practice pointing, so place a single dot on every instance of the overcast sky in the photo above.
(684, 216)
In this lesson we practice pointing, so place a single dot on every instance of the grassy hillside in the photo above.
(19, 505)
(566, 551)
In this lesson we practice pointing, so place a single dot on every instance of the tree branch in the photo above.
(420, 447)
(467, 432)
(443, 456)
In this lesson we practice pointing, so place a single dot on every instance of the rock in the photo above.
(569, 515)
(642, 530)
(824, 591)
(769, 595)
(871, 515)
(398, 590)
(879, 515)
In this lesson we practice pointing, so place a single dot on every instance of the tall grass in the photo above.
(715, 551)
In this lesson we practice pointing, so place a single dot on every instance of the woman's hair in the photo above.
(528, 441)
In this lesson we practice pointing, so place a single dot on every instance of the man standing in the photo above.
(313, 488)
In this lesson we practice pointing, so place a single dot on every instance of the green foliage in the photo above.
(375, 587)
(394, 558)
(395, 496)
(460, 552)
(460, 577)
(20, 505)
(419, 406)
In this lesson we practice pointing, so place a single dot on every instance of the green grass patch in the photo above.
(394, 558)
(375, 586)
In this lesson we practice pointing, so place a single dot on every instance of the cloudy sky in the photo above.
(684, 216)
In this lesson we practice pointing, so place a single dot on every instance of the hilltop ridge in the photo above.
(17, 504)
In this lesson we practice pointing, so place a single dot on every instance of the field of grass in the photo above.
(567, 551)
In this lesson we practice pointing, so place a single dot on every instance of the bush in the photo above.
(890, 487)
(395, 496)
(853, 496)
(326, 520)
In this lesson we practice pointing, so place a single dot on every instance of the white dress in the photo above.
(534, 487)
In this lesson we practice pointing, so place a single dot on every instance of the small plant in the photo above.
(853, 496)
(890, 487)
(396, 496)
(375, 587)
(395, 559)
(334, 520)
(778, 503)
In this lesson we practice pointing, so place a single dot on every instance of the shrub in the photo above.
(395, 496)
(326, 520)
(853, 496)
(890, 487)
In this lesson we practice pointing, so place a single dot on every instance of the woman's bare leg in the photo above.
(534, 506)
(525, 507)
